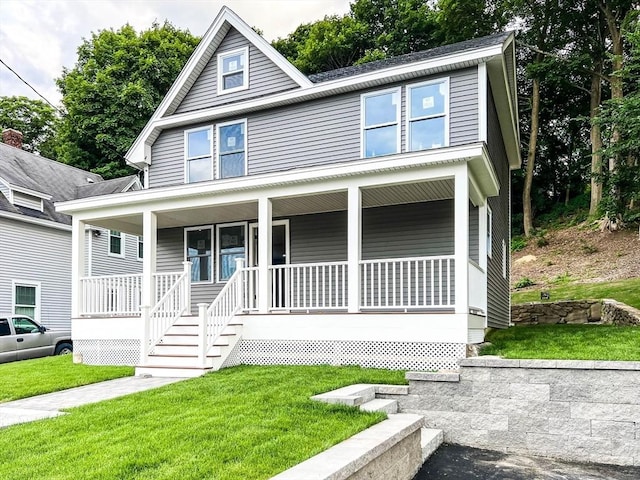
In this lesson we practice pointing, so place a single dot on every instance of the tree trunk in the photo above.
(596, 142)
(531, 158)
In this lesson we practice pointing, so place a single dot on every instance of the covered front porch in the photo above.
(378, 261)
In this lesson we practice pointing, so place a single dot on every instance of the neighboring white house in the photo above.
(35, 240)
(358, 216)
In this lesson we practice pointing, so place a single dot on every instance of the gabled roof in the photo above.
(115, 185)
(209, 43)
(482, 42)
(51, 181)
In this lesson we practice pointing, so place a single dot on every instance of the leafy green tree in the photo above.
(36, 120)
(118, 80)
(619, 119)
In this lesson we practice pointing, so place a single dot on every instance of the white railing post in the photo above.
(202, 333)
(240, 293)
(187, 293)
(144, 341)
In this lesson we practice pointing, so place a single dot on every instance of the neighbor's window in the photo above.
(231, 245)
(232, 147)
(198, 155)
(25, 300)
(380, 116)
(428, 110)
(198, 242)
(233, 70)
(116, 243)
(140, 248)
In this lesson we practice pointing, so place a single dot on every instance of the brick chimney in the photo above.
(12, 137)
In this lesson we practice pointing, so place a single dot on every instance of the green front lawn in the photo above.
(244, 422)
(566, 342)
(626, 291)
(51, 374)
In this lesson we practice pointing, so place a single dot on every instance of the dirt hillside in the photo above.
(582, 254)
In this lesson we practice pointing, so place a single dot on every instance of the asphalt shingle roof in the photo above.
(61, 181)
(354, 70)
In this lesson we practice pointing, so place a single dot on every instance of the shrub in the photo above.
(524, 282)
(518, 243)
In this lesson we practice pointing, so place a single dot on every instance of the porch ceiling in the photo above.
(408, 193)
(208, 215)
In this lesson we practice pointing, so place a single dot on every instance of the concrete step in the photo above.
(430, 440)
(353, 395)
(167, 371)
(188, 361)
(380, 405)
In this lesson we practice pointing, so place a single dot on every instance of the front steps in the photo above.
(363, 396)
(176, 354)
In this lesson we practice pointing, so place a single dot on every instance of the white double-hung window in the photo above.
(233, 70)
(26, 299)
(428, 115)
(380, 114)
(232, 149)
(198, 243)
(198, 147)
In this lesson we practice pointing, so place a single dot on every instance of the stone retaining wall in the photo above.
(584, 411)
(576, 312)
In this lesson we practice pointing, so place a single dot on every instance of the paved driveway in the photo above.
(453, 462)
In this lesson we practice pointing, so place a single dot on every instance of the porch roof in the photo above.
(398, 179)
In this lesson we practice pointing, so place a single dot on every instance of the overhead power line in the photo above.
(29, 85)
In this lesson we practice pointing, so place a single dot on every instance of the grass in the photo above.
(51, 374)
(244, 422)
(627, 291)
(559, 342)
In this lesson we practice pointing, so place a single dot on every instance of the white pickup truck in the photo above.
(21, 337)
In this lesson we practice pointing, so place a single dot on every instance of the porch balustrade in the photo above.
(408, 283)
(309, 286)
(477, 287)
(111, 295)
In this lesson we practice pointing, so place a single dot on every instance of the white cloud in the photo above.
(38, 37)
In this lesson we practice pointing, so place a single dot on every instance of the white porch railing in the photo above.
(250, 289)
(477, 287)
(111, 295)
(417, 282)
(309, 286)
(225, 306)
(172, 305)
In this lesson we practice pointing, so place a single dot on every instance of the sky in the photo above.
(40, 37)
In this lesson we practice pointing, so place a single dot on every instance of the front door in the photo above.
(279, 256)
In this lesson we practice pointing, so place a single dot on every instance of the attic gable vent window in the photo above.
(233, 70)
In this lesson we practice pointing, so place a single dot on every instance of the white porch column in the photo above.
(354, 247)
(461, 228)
(150, 241)
(77, 265)
(265, 234)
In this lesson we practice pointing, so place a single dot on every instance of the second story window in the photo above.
(428, 110)
(380, 123)
(232, 148)
(116, 243)
(198, 155)
(233, 70)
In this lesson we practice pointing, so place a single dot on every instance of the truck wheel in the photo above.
(64, 349)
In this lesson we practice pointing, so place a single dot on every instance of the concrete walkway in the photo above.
(50, 404)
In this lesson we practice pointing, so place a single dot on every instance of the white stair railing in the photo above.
(408, 283)
(175, 302)
(226, 305)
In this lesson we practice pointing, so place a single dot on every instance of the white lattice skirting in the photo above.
(390, 355)
(108, 352)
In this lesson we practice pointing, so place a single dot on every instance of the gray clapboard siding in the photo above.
(104, 264)
(317, 132)
(497, 286)
(265, 77)
(473, 233)
(34, 253)
(463, 126)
